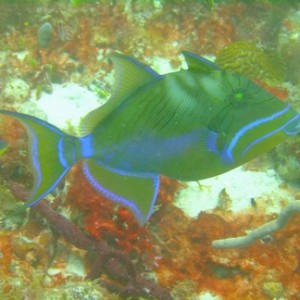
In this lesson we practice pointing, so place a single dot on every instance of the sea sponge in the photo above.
(252, 61)
(45, 35)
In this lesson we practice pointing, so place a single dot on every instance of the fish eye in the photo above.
(238, 96)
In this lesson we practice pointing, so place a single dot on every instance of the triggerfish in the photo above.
(191, 124)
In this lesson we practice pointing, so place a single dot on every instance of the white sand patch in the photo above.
(241, 185)
(64, 107)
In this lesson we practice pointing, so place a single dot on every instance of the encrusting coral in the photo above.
(246, 58)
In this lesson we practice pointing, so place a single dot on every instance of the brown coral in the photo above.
(256, 63)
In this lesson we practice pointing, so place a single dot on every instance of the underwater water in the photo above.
(230, 236)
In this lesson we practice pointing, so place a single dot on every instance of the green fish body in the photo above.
(189, 125)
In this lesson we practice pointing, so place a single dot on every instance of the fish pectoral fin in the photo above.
(136, 192)
(199, 63)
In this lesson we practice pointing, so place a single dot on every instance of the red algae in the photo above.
(216, 28)
(234, 273)
(12, 131)
(14, 162)
(105, 220)
(6, 253)
(168, 189)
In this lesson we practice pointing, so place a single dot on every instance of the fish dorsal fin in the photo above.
(130, 74)
(137, 192)
(199, 63)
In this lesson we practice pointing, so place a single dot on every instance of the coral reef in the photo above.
(231, 273)
(101, 241)
(114, 263)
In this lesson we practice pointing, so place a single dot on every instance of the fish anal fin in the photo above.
(136, 192)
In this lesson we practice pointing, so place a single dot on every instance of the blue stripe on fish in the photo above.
(145, 67)
(295, 125)
(51, 188)
(51, 154)
(67, 148)
(37, 167)
(87, 149)
(60, 150)
(110, 178)
(256, 141)
(227, 152)
(35, 156)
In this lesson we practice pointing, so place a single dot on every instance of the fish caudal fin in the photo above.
(137, 192)
(52, 154)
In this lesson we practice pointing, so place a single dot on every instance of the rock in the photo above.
(16, 90)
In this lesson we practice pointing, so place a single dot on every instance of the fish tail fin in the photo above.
(52, 154)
